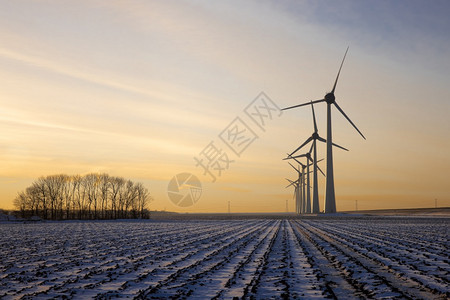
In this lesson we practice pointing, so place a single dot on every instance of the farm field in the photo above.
(342, 257)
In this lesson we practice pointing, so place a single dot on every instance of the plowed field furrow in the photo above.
(273, 282)
(218, 275)
(428, 250)
(378, 280)
(303, 278)
(247, 268)
(307, 258)
(92, 270)
(136, 272)
(336, 281)
(195, 263)
(408, 264)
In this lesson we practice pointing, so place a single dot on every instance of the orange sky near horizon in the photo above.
(138, 89)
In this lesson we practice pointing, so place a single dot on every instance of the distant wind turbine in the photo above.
(315, 206)
(301, 187)
(307, 197)
(330, 199)
(296, 195)
(304, 203)
(302, 183)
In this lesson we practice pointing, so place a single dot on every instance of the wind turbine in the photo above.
(308, 192)
(301, 178)
(301, 189)
(296, 194)
(330, 199)
(305, 203)
(315, 202)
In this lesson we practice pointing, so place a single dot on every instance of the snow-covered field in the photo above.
(369, 257)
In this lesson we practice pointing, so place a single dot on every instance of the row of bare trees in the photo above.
(92, 196)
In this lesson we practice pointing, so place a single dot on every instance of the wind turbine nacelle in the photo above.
(329, 98)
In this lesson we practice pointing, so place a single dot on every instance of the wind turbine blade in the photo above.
(294, 167)
(298, 162)
(321, 171)
(321, 139)
(302, 155)
(306, 142)
(288, 156)
(303, 104)
(319, 160)
(297, 156)
(314, 117)
(348, 119)
(337, 77)
(336, 145)
(289, 185)
(340, 147)
(292, 182)
(310, 149)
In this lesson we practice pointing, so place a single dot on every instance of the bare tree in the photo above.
(116, 187)
(33, 196)
(83, 197)
(41, 194)
(91, 182)
(130, 195)
(67, 194)
(79, 195)
(20, 202)
(104, 193)
(142, 199)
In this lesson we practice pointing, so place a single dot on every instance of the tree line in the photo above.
(92, 196)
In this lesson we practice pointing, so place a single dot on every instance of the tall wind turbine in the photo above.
(330, 199)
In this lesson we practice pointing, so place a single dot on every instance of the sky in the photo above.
(138, 89)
